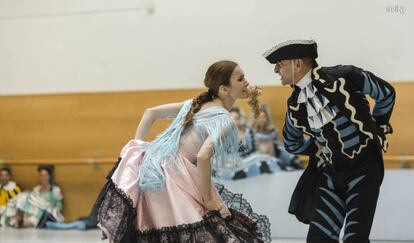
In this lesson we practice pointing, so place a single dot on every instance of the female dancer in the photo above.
(161, 191)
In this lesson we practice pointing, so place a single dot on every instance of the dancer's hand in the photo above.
(213, 204)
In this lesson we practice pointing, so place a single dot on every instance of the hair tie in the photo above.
(211, 93)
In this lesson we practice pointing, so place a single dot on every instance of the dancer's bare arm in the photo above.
(152, 114)
(204, 171)
(204, 168)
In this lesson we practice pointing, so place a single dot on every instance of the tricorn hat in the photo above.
(292, 49)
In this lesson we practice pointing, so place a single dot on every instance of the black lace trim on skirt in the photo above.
(114, 210)
(236, 202)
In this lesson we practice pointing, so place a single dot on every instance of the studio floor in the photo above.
(10, 235)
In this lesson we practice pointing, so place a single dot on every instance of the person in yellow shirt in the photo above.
(8, 188)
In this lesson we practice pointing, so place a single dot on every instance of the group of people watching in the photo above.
(262, 152)
(33, 208)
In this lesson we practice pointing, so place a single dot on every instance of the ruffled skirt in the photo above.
(175, 213)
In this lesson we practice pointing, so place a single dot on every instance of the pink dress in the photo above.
(175, 212)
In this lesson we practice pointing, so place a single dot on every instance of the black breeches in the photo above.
(347, 199)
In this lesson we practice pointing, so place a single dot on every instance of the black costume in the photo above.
(344, 141)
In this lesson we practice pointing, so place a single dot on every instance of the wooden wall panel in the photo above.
(72, 129)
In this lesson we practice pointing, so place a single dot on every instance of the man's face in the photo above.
(284, 69)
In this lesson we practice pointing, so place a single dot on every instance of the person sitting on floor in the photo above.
(253, 162)
(268, 143)
(8, 188)
(42, 204)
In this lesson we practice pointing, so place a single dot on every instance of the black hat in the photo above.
(292, 49)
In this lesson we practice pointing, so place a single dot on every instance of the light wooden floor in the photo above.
(9, 235)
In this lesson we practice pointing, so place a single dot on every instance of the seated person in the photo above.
(8, 188)
(268, 142)
(33, 209)
(253, 162)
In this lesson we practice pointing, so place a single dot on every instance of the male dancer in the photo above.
(342, 138)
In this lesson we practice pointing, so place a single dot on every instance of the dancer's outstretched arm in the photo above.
(154, 113)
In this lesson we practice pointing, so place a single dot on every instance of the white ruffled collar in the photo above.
(319, 112)
(305, 80)
(9, 186)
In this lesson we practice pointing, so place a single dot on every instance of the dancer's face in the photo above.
(284, 69)
(238, 84)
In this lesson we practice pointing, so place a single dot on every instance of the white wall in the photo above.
(393, 218)
(49, 46)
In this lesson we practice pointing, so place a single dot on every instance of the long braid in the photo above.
(196, 106)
